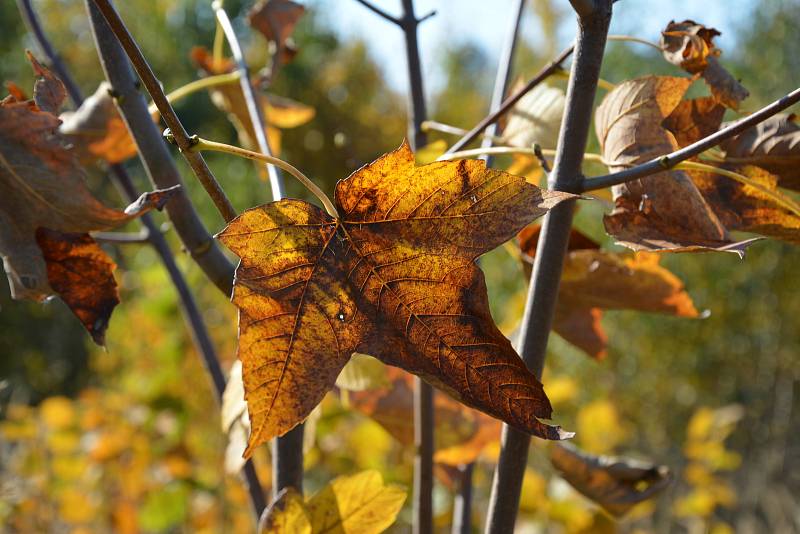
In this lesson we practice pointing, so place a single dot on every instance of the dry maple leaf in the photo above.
(616, 484)
(43, 187)
(594, 280)
(690, 46)
(394, 277)
(773, 145)
(461, 433)
(96, 129)
(663, 211)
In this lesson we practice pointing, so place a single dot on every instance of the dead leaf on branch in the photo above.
(97, 131)
(616, 484)
(394, 277)
(536, 118)
(44, 188)
(461, 433)
(594, 280)
(773, 145)
(279, 112)
(663, 211)
(690, 46)
(275, 20)
(355, 504)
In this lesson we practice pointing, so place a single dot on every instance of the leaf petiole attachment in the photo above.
(204, 144)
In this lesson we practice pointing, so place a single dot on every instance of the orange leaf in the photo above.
(394, 277)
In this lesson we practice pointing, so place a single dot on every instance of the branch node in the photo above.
(537, 150)
(426, 17)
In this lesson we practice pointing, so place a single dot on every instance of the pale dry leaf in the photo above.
(536, 118)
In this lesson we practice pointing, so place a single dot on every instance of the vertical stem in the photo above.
(462, 508)
(287, 451)
(549, 262)
(504, 68)
(423, 393)
(159, 165)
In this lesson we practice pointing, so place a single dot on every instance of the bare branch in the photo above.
(462, 507)
(195, 160)
(547, 71)
(543, 290)
(423, 18)
(671, 160)
(381, 13)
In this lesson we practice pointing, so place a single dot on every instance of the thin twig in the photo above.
(378, 11)
(198, 85)
(669, 161)
(254, 109)
(543, 290)
(503, 76)
(508, 103)
(462, 507)
(632, 39)
(195, 160)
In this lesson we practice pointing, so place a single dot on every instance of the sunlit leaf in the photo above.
(536, 118)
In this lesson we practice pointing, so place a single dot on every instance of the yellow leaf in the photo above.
(57, 412)
(599, 427)
(286, 514)
(430, 152)
(75, 507)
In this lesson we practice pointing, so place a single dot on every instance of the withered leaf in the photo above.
(83, 276)
(97, 131)
(690, 46)
(536, 118)
(595, 280)
(394, 277)
(461, 433)
(773, 145)
(748, 208)
(616, 484)
(275, 19)
(43, 187)
(48, 91)
(279, 112)
(694, 119)
(664, 211)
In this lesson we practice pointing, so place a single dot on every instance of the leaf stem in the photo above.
(784, 201)
(455, 130)
(669, 161)
(198, 85)
(496, 150)
(633, 39)
(204, 144)
(219, 37)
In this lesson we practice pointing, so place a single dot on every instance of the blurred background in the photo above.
(95, 440)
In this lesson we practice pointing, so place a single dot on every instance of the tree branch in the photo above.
(671, 160)
(381, 13)
(549, 262)
(156, 157)
(462, 507)
(547, 71)
(184, 142)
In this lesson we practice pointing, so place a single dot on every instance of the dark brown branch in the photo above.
(540, 305)
(462, 507)
(157, 160)
(547, 71)
(182, 139)
(670, 160)
(378, 11)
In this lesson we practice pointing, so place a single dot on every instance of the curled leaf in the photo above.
(395, 277)
(96, 129)
(275, 19)
(616, 484)
(536, 118)
(664, 211)
(690, 46)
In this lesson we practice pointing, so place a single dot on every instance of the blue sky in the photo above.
(485, 22)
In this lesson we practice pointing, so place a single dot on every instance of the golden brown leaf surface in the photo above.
(616, 484)
(394, 277)
(595, 280)
(663, 211)
(97, 131)
(690, 46)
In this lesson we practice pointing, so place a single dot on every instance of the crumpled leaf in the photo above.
(355, 504)
(461, 433)
(279, 112)
(96, 129)
(48, 91)
(394, 277)
(690, 46)
(694, 119)
(616, 484)
(43, 187)
(594, 280)
(536, 118)
(664, 211)
(275, 20)
(773, 145)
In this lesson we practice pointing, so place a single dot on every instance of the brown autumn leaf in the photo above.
(664, 211)
(275, 20)
(690, 46)
(616, 484)
(97, 131)
(48, 91)
(594, 280)
(461, 433)
(279, 112)
(394, 277)
(773, 145)
(43, 187)
(694, 119)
